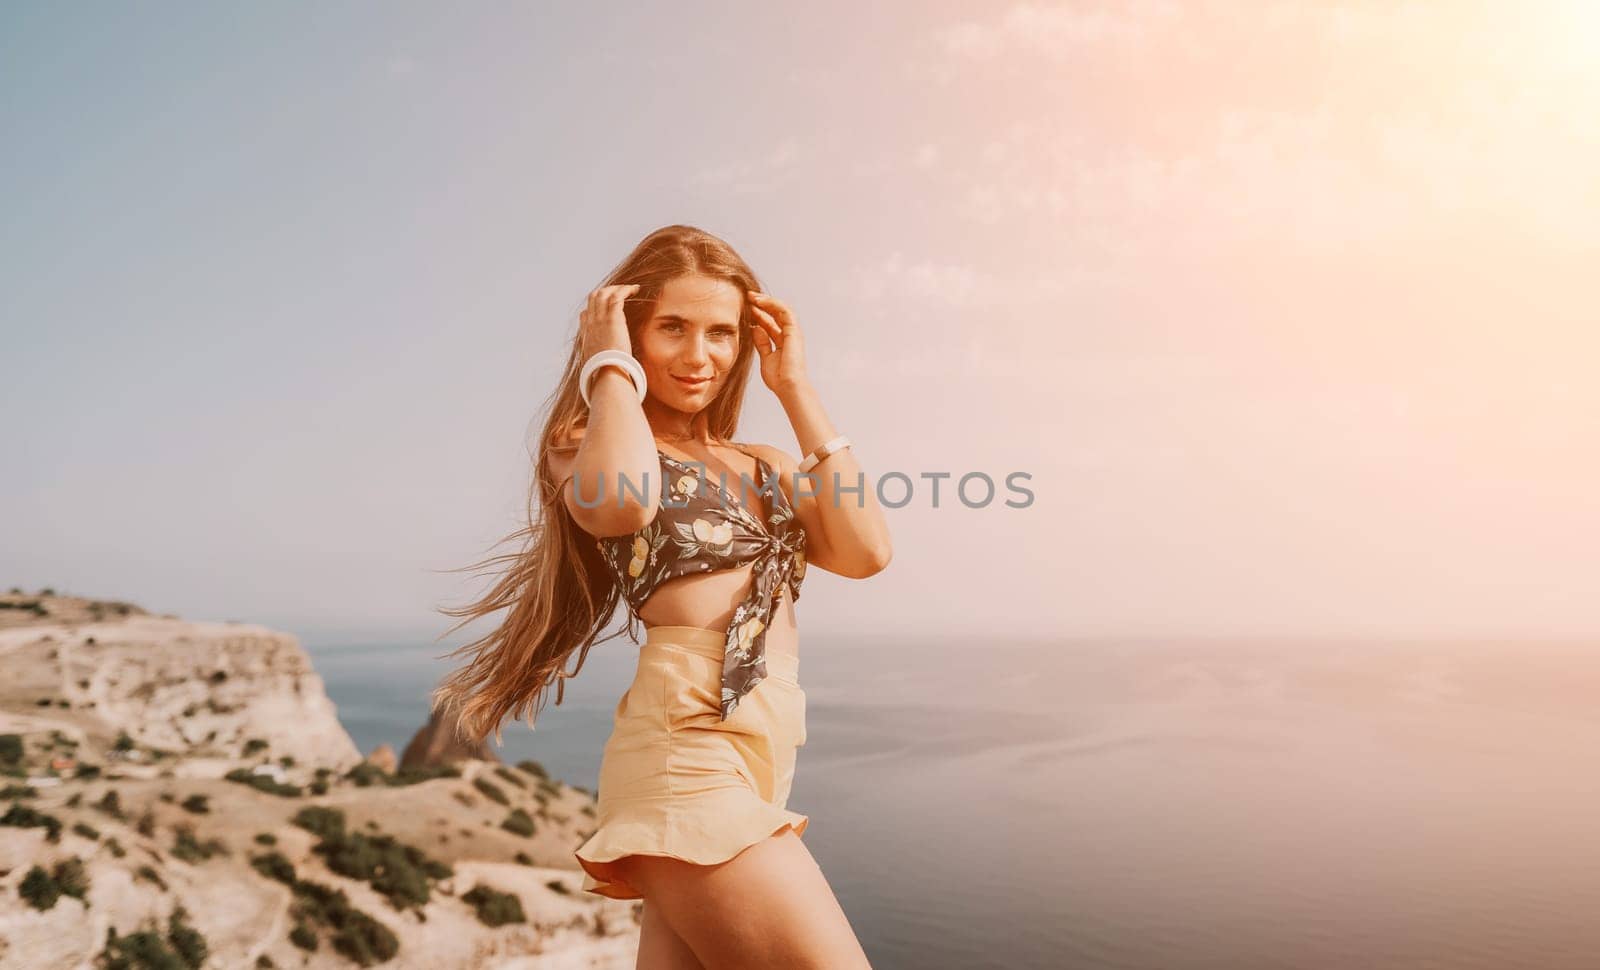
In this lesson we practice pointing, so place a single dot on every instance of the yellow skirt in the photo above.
(678, 781)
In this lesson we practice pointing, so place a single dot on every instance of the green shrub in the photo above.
(421, 773)
(356, 935)
(557, 886)
(19, 791)
(253, 745)
(491, 790)
(366, 774)
(71, 877)
(148, 874)
(196, 803)
(321, 820)
(518, 823)
(22, 816)
(494, 908)
(274, 865)
(266, 838)
(110, 803)
(86, 830)
(533, 768)
(303, 936)
(182, 949)
(396, 870)
(506, 774)
(365, 940)
(187, 848)
(39, 889)
(245, 776)
(186, 940)
(137, 951)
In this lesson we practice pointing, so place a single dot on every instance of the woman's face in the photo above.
(690, 342)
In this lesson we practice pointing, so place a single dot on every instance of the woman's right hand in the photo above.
(602, 324)
(625, 446)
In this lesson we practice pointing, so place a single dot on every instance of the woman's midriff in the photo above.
(709, 599)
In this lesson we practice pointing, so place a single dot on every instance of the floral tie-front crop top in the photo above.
(701, 528)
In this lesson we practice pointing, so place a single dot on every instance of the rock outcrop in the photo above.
(209, 694)
(164, 782)
(435, 743)
(383, 757)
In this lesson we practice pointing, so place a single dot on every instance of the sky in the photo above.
(1286, 310)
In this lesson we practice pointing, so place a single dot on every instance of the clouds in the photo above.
(1054, 30)
(1118, 174)
(1324, 124)
(1306, 205)
(768, 172)
(944, 283)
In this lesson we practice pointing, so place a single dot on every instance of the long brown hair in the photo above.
(559, 592)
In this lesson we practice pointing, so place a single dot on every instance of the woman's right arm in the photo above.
(617, 445)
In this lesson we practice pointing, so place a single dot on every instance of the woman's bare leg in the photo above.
(769, 906)
(660, 947)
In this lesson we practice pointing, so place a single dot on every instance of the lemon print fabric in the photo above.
(641, 552)
(704, 526)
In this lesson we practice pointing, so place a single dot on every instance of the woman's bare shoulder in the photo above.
(781, 461)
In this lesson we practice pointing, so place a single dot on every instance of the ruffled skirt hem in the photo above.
(715, 834)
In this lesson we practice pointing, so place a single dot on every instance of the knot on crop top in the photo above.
(701, 528)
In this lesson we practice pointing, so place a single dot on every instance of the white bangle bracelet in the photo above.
(833, 447)
(611, 358)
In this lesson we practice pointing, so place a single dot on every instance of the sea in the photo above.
(1154, 805)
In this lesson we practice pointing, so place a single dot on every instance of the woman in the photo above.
(631, 471)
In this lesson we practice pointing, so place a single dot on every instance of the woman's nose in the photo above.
(697, 351)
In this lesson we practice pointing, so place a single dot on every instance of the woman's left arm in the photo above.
(837, 506)
(835, 503)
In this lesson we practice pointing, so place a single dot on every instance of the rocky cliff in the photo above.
(185, 789)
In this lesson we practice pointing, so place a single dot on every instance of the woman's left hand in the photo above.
(778, 341)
